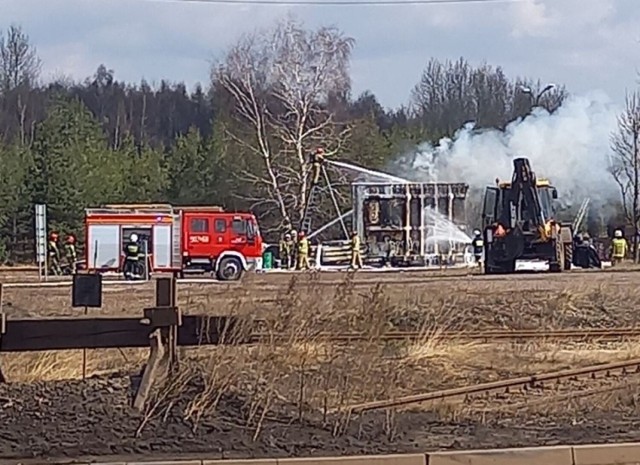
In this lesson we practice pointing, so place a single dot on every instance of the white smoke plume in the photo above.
(571, 147)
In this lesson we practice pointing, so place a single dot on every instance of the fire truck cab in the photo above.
(177, 239)
(217, 241)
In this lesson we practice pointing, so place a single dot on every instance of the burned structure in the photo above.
(411, 223)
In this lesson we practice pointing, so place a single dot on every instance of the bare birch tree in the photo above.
(625, 164)
(19, 62)
(19, 72)
(280, 81)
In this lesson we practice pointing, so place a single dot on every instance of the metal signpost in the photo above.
(146, 260)
(41, 240)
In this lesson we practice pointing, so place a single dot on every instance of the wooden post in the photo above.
(161, 320)
(153, 364)
(164, 320)
(3, 329)
(166, 297)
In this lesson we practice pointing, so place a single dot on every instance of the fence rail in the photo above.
(27, 335)
(162, 328)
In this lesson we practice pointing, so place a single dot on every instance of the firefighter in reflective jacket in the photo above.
(316, 165)
(619, 248)
(53, 253)
(478, 247)
(131, 255)
(303, 251)
(354, 245)
(70, 253)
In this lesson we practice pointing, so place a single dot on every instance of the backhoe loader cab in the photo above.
(519, 222)
(497, 200)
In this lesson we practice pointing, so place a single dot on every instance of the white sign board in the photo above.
(41, 238)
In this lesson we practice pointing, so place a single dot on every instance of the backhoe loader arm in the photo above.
(524, 194)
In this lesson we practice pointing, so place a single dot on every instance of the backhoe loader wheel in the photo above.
(557, 265)
(568, 256)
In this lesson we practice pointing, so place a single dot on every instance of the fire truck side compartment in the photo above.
(106, 237)
(162, 246)
(106, 228)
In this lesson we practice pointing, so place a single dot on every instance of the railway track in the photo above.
(482, 336)
(279, 286)
(521, 384)
(361, 279)
(547, 398)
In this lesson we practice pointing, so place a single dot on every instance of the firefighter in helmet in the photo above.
(354, 246)
(131, 255)
(70, 253)
(478, 247)
(317, 159)
(53, 252)
(302, 249)
(294, 248)
(286, 251)
(619, 248)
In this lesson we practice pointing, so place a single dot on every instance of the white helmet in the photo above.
(617, 233)
(476, 232)
(134, 237)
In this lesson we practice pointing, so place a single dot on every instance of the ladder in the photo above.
(577, 222)
(313, 199)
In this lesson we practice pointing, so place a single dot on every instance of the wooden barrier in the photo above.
(25, 335)
(602, 454)
(162, 328)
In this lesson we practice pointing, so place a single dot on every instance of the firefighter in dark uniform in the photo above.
(478, 248)
(53, 252)
(70, 253)
(131, 256)
(317, 159)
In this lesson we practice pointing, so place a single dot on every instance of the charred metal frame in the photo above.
(406, 203)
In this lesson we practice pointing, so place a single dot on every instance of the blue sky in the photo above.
(585, 44)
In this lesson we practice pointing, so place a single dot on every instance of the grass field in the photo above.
(284, 397)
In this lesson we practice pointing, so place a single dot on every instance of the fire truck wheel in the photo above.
(230, 269)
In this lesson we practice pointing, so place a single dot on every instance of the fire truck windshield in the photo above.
(239, 226)
(546, 202)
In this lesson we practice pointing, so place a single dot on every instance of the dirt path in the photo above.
(73, 419)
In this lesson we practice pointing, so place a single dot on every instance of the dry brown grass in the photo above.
(298, 376)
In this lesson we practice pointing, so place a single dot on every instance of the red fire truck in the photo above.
(177, 239)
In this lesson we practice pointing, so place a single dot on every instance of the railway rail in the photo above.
(485, 336)
(525, 382)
